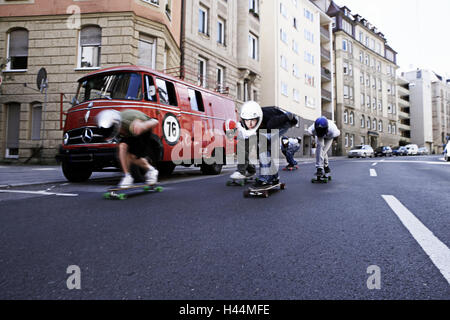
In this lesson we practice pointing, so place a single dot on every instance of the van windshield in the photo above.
(122, 86)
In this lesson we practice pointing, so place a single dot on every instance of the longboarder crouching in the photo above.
(134, 130)
(325, 132)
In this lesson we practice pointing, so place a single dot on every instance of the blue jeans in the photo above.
(289, 154)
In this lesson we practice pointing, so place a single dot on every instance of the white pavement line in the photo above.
(44, 169)
(374, 164)
(44, 193)
(438, 252)
(373, 173)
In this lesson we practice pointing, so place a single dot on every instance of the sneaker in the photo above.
(237, 176)
(260, 184)
(327, 170)
(319, 172)
(251, 174)
(126, 181)
(151, 177)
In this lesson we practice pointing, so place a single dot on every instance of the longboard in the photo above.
(239, 182)
(322, 179)
(122, 193)
(263, 192)
(290, 168)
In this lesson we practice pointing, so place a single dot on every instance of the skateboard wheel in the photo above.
(122, 196)
(146, 188)
(159, 189)
(313, 180)
(107, 195)
(282, 186)
(329, 178)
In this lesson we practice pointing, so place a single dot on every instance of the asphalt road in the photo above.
(200, 239)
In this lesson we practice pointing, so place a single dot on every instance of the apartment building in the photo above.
(430, 109)
(404, 111)
(70, 39)
(296, 52)
(220, 46)
(365, 82)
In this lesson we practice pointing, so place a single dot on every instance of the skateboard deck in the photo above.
(123, 193)
(263, 192)
(322, 179)
(290, 168)
(240, 182)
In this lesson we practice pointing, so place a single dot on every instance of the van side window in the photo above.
(195, 98)
(150, 89)
(167, 93)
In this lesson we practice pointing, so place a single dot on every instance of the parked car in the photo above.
(362, 151)
(423, 151)
(383, 151)
(447, 152)
(400, 151)
(413, 149)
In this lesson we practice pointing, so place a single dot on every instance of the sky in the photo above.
(417, 29)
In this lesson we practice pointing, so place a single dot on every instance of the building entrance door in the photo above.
(12, 130)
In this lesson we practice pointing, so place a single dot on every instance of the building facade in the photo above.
(430, 109)
(296, 50)
(220, 47)
(365, 83)
(70, 39)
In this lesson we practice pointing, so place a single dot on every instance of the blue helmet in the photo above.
(321, 126)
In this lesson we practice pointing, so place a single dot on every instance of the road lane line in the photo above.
(44, 193)
(438, 252)
(374, 164)
(373, 173)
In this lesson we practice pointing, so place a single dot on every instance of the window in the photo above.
(220, 73)
(347, 27)
(166, 92)
(368, 123)
(296, 71)
(147, 51)
(294, 23)
(202, 72)
(346, 68)
(221, 31)
(346, 139)
(362, 99)
(196, 101)
(309, 36)
(13, 128)
(361, 78)
(246, 91)
(283, 62)
(150, 89)
(310, 102)
(394, 129)
(374, 103)
(380, 105)
(309, 80)
(239, 91)
(284, 89)
(363, 140)
(361, 57)
(344, 45)
(296, 95)
(283, 36)
(18, 49)
(253, 47)
(203, 20)
(36, 119)
(352, 140)
(374, 124)
(308, 15)
(389, 128)
(295, 46)
(283, 10)
(90, 47)
(380, 126)
(363, 121)
(309, 57)
(352, 118)
(346, 116)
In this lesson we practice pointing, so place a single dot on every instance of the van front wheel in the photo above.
(76, 173)
(211, 169)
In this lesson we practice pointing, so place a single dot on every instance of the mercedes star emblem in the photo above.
(87, 135)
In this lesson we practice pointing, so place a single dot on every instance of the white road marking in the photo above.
(438, 252)
(44, 193)
(373, 173)
(374, 164)
(44, 169)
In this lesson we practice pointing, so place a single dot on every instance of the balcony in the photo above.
(326, 74)
(325, 54)
(326, 95)
(403, 115)
(324, 34)
(403, 127)
(403, 102)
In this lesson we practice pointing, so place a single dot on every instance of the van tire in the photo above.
(166, 168)
(76, 173)
(211, 169)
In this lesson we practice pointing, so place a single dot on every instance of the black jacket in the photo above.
(274, 118)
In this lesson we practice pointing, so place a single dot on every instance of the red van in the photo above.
(191, 121)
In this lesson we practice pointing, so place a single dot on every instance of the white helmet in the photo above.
(109, 123)
(252, 110)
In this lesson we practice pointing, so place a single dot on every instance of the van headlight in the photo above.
(66, 138)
